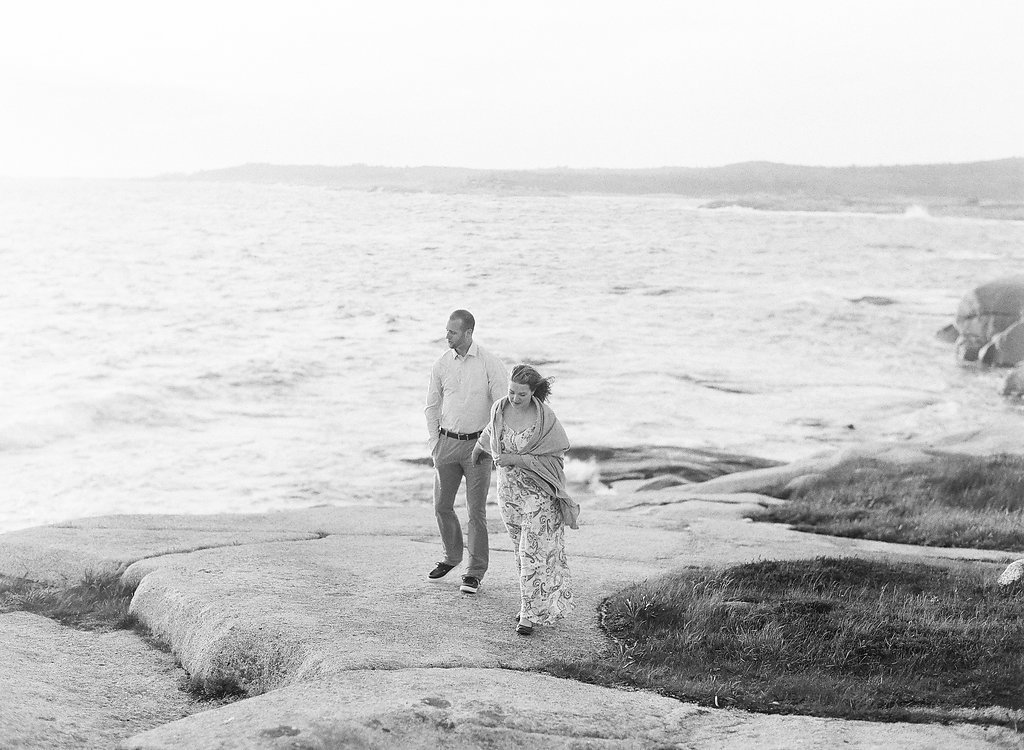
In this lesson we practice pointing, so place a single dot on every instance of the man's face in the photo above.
(457, 335)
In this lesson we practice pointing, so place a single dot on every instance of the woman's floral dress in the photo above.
(534, 521)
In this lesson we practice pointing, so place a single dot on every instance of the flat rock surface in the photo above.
(326, 618)
(468, 709)
(69, 688)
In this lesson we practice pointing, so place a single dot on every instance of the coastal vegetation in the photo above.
(852, 638)
(959, 501)
(100, 602)
(97, 602)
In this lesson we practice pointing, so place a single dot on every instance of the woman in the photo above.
(527, 443)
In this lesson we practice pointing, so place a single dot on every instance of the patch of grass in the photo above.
(956, 501)
(827, 637)
(215, 689)
(98, 602)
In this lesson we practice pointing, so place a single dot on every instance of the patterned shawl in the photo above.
(546, 449)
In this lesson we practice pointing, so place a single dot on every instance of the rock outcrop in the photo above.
(66, 688)
(990, 323)
(1013, 384)
(325, 621)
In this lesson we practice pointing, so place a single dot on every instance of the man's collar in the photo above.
(470, 352)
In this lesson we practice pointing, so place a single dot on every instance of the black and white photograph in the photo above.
(512, 375)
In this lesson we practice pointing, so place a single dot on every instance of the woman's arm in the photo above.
(514, 459)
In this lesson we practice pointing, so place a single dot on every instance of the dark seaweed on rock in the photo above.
(645, 462)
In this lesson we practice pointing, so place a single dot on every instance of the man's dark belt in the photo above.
(460, 435)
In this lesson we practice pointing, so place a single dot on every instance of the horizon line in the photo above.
(561, 167)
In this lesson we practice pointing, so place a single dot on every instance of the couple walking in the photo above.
(478, 415)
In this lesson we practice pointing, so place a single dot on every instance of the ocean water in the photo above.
(203, 347)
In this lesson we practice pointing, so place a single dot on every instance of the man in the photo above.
(464, 383)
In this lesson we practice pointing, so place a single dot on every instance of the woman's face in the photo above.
(519, 393)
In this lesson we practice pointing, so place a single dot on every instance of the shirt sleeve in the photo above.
(484, 441)
(433, 407)
(497, 378)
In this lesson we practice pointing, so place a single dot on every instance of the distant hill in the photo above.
(972, 184)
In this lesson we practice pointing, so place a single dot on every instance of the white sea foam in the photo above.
(204, 347)
(916, 211)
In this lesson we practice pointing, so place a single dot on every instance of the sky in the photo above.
(126, 89)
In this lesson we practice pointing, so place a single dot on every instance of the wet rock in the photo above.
(648, 462)
(661, 483)
(1014, 383)
(947, 334)
(987, 321)
(874, 300)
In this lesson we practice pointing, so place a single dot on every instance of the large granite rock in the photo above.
(988, 322)
(470, 709)
(325, 619)
(66, 688)
(1013, 383)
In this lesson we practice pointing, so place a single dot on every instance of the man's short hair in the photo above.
(466, 317)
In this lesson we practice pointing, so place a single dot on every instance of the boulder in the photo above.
(1013, 574)
(947, 334)
(984, 313)
(1014, 383)
(1006, 348)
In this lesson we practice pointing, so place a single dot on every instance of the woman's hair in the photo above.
(526, 375)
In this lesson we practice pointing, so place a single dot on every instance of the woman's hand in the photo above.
(478, 454)
(509, 459)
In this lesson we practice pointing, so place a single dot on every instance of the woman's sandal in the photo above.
(524, 629)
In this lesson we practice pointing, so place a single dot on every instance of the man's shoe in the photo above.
(470, 585)
(440, 571)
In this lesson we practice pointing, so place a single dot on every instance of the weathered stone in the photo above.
(66, 688)
(1013, 385)
(984, 318)
(328, 614)
(874, 299)
(432, 708)
(104, 544)
(999, 435)
(469, 709)
(1014, 574)
(646, 462)
(661, 483)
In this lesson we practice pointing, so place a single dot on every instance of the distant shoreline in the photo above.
(991, 189)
